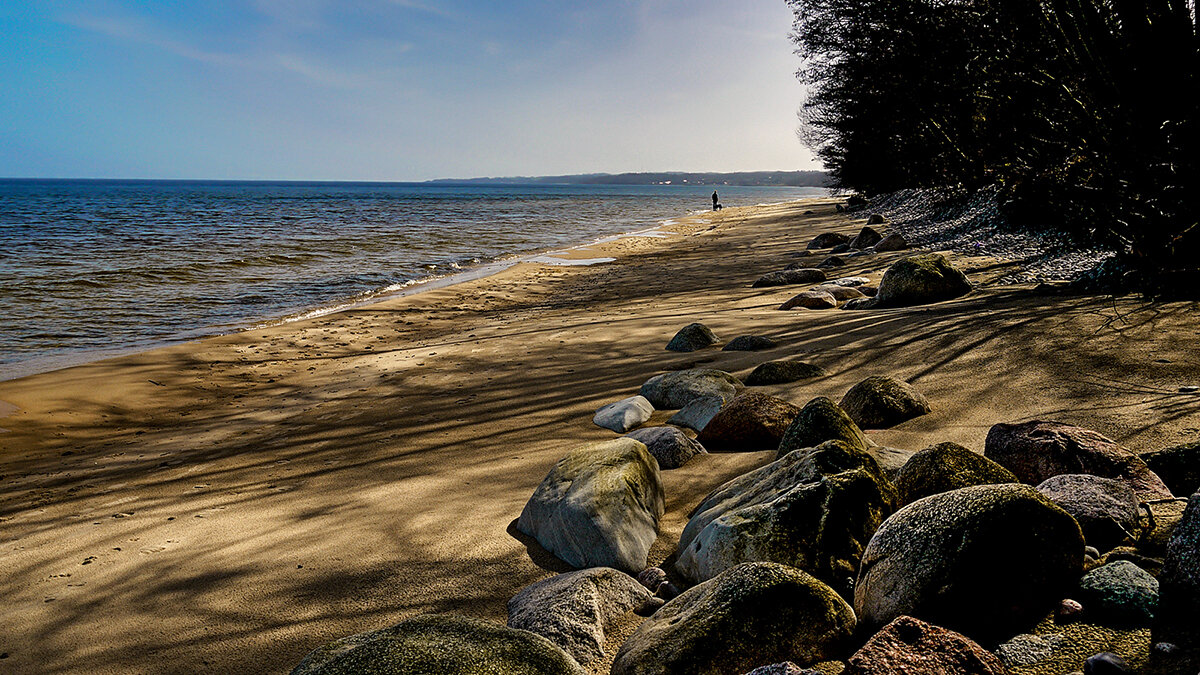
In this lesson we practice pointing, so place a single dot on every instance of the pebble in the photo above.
(1105, 663)
(652, 578)
(1166, 649)
(1091, 552)
(1069, 610)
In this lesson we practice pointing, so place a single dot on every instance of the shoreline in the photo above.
(231, 503)
(53, 362)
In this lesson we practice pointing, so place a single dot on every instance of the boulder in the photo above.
(670, 446)
(785, 668)
(811, 299)
(840, 293)
(752, 421)
(1105, 508)
(909, 645)
(782, 372)
(672, 391)
(828, 240)
(1180, 579)
(624, 415)
(1120, 594)
(790, 277)
(851, 281)
(1066, 651)
(840, 248)
(880, 402)
(877, 219)
(574, 610)
(814, 509)
(599, 506)
(869, 291)
(441, 645)
(891, 460)
(752, 614)
(985, 561)
(1038, 450)
(1179, 468)
(692, 337)
(831, 261)
(749, 343)
(821, 420)
(892, 242)
(867, 237)
(697, 414)
(945, 467)
(918, 280)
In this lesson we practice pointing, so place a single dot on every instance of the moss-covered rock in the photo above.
(599, 506)
(917, 280)
(672, 391)
(945, 467)
(783, 372)
(821, 420)
(1053, 649)
(692, 337)
(752, 614)
(880, 402)
(987, 561)
(752, 421)
(441, 645)
(814, 509)
(1105, 508)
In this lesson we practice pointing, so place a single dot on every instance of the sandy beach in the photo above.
(227, 505)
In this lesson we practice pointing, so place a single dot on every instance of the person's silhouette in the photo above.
(715, 204)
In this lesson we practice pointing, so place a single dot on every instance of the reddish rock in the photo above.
(1038, 450)
(751, 421)
(909, 645)
(811, 300)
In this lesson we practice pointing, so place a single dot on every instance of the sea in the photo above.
(95, 268)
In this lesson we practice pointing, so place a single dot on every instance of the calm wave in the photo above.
(96, 265)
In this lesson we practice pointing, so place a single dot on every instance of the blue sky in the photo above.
(395, 89)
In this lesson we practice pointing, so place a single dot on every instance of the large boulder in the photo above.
(828, 240)
(749, 343)
(1120, 594)
(599, 506)
(782, 372)
(909, 645)
(918, 280)
(811, 299)
(692, 337)
(1179, 467)
(1105, 508)
(985, 561)
(1067, 648)
(866, 238)
(672, 391)
(880, 402)
(574, 610)
(945, 467)
(752, 614)
(624, 415)
(752, 421)
(1038, 450)
(698, 413)
(814, 509)
(1180, 579)
(441, 645)
(821, 420)
(670, 446)
(790, 277)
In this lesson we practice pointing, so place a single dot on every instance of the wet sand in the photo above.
(227, 505)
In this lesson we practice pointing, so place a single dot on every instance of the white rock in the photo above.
(624, 415)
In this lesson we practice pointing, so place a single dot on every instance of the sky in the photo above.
(395, 89)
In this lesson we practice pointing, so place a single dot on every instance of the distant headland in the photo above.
(748, 178)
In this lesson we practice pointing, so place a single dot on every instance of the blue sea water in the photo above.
(92, 266)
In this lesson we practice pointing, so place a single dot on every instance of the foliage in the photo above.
(1084, 112)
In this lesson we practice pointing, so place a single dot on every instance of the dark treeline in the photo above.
(1083, 111)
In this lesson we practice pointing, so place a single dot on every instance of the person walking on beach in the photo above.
(715, 204)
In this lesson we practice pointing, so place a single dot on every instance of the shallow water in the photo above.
(88, 266)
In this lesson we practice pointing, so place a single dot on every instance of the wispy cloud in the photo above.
(137, 32)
